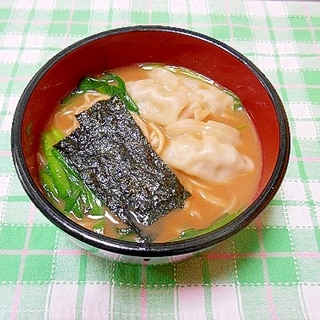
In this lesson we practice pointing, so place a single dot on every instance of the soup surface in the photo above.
(198, 128)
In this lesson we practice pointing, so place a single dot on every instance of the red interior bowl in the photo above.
(126, 46)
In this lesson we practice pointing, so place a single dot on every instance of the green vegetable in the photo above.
(237, 104)
(47, 183)
(71, 200)
(76, 208)
(110, 84)
(126, 234)
(59, 176)
(190, 233)
(49, 139)
(98, 227)
(61, 182)
(191, 74)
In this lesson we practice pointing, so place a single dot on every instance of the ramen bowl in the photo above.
(155, 44)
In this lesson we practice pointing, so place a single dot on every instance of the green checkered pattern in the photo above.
(270, 270)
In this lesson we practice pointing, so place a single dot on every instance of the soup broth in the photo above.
(199, 129)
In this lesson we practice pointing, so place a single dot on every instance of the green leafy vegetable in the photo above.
(49, 138)
(126, 234)
(109, 84)
(237, 104)
(98, 227)
(59, 176)
(61, 182)
(190, 233)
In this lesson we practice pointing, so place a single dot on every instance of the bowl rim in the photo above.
(180, 247)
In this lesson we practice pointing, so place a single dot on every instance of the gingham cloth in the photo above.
(270, 270)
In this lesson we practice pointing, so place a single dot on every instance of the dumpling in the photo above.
(165, 97)
(160, 97)
(207, 150)
(206, 99)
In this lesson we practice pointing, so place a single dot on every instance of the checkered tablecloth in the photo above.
(270, 270)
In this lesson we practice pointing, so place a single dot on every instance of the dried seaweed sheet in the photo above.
(116, 161)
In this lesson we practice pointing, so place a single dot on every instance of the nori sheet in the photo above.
(118, 164)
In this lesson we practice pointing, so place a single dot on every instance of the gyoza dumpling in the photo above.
(207, 150)
(160, 97)
(165, 97)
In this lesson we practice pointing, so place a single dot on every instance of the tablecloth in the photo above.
(270, 270)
